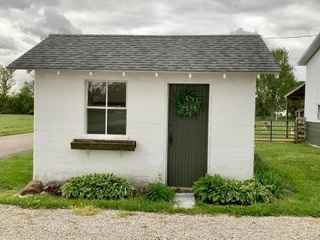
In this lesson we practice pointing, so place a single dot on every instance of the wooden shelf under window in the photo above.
(95, 144)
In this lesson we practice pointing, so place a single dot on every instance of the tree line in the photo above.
(18, 102)
(271, 89)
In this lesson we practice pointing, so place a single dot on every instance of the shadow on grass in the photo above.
(277, 182)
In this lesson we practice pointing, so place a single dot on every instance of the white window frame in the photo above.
(106, 108)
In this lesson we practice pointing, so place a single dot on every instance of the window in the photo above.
(318, 113)
(106, 108)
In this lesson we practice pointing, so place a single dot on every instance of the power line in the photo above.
(289, 37)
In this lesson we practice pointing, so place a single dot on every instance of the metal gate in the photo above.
(280, 131)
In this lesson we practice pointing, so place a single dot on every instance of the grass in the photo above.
(125, 214)
(11, 124)
(15, 172)
(297, 164)
(86, 211)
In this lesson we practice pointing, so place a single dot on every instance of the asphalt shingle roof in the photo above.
(196, 53)
(311, 51)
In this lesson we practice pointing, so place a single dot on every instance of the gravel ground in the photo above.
(17, 223)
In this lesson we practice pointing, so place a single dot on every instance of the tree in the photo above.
(18, 103)
(29, 85)
(6, 81)
(271, 90)
(22, 102)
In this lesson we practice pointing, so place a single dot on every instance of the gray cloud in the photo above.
(7, 43)
(29, 20)
(36, 17)
(51, 21)
(23, 4)
(15, 4)
(241, 31)
(245, 6)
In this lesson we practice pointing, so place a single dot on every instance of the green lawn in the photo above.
(299, 164)
(15, 172)
(11, 124)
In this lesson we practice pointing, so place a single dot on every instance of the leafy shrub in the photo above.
(272, 181)
(218, 190)
(159, 192)
(97, 186)
(252, 191)
(277, 184)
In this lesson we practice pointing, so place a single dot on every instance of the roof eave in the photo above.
(310, 52)
(294, 90)
(258, 70)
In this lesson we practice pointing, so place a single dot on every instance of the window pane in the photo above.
(96, 121)
(96, 93)
(117, 121)
(117, 94)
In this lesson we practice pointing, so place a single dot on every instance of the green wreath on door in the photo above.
(188, 104)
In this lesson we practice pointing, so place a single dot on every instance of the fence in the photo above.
(280, 131)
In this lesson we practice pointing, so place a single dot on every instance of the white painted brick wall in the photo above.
(60, 117)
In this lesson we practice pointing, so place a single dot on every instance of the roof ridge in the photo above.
(153, 35)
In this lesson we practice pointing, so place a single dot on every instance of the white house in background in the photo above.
(168, 108)
(311, 59)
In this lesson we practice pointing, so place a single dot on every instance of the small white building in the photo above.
(311, 59)
(168, 108)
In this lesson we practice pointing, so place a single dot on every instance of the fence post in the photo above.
(296, 131)
(271, 131)
(287, 128)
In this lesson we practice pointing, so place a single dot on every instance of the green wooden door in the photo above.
(187, 137)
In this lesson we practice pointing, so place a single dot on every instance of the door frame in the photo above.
(166, 122)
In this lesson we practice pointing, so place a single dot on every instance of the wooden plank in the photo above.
(276, 140)
(95, 144)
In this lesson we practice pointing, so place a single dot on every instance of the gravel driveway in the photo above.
(17, 223)
(15, 143)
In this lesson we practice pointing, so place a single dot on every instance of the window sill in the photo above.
(100, 144)
(104, 137)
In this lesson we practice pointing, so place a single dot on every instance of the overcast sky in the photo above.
(23, 23)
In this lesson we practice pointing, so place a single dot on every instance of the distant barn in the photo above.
(311, 59)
